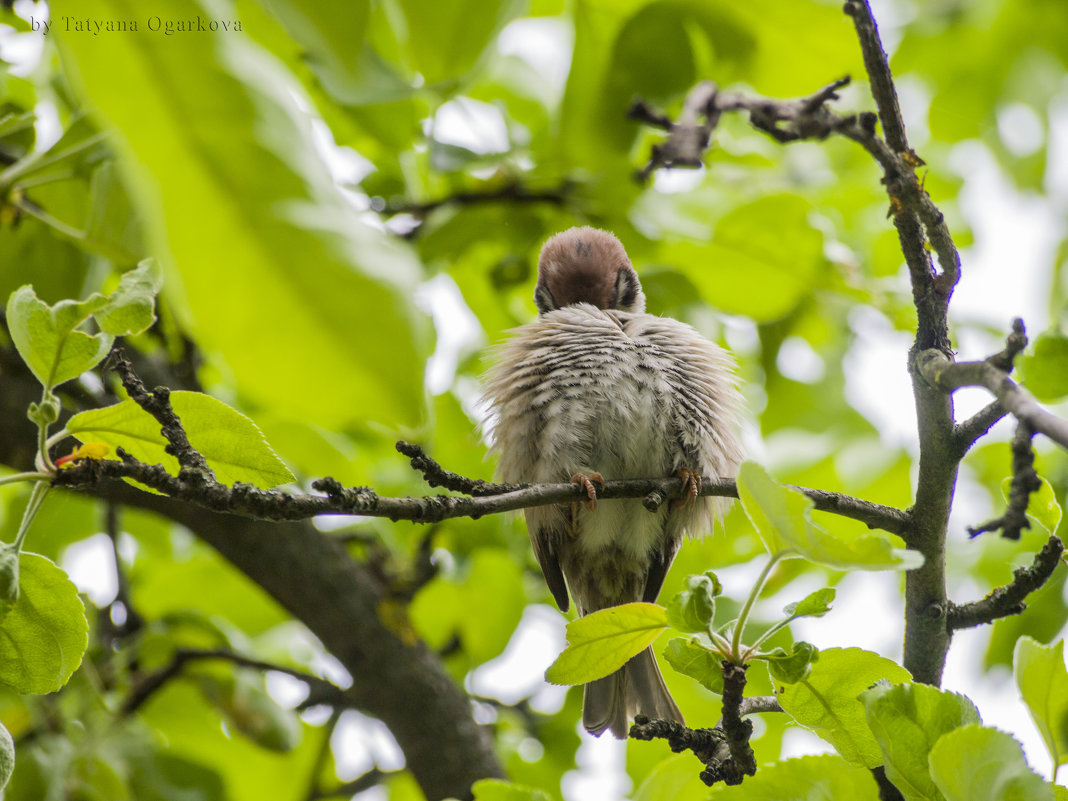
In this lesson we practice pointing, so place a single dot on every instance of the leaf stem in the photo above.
(28, 476)
(767, 635)
(37, 496)
(743, 616)
(58, 437)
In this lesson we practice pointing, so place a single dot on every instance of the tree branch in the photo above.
(153, 682)
(1024, 482)
(513, 192)
(975, 427)
(724, 749)
(946, 376)
(1009, 600)
(246, 500)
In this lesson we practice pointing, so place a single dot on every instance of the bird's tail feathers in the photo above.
(635, 689)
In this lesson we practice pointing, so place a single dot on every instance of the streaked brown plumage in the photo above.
(595, 385)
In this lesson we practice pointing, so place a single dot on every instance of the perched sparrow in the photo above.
(596, 387)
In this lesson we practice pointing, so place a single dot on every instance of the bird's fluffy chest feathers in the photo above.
(584, 390)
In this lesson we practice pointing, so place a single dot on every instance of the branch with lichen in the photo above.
(724, 750)
(1009, 600)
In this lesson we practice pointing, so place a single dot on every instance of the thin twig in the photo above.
(947, 376)
(511, 192)
(975, 427)
(247, 500)
(182, 657)
(194, 467)
(371, 778)
(1009, 600)
(1025, 481)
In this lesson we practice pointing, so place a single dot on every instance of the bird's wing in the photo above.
(662, 558)
(548, 528)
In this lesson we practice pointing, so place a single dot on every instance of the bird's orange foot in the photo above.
(691, 488)
(587, 482)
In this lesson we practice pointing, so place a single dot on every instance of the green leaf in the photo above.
(816, 604)
(1043, 683)
(7, 756)
(826, 702)
(810, 778)
(782, 517)
(907, 720)
(131, 307)
(1045, 369)
(690, 658)
(232, 443)
(437, 610)
(220, 161)
(499, 790)
(9, 577)
(693, 608)
(45, 634)
(328, 32)
(673, 779)
(601, 643)
(46, 339)
(446, 39)
(792, 667)
(974, 763)
(1042, 507)
(242, 697)
(495, 588)
(739, 256)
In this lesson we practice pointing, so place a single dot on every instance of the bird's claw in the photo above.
(691, 488)
(587, 482)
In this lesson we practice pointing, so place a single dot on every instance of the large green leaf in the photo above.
(328, 32)
(907, 721)
(811, 778)
(43, 637)
(494, 588)
(740, 256)
(446, 39)
(1045, 369)
(311, 307)
(826, 702)
(601, 643)
(974, 763)
(232, 444)
(1043, 683)
(498, 790)
(782, 518)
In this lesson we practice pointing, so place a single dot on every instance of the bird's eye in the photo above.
(626, 290)
(544, 299)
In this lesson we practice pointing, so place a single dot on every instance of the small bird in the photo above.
(597, 389)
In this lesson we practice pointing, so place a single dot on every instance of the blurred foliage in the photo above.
(292, 171)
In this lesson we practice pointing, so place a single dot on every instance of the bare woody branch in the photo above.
(947, 376)
(247, 500)
(1009, 600)
(724, 749)
(319, 688)
(1025, 481)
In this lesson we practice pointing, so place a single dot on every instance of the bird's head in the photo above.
(586, 265)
